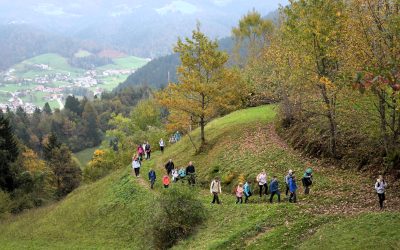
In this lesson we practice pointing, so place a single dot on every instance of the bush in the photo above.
(178, 215)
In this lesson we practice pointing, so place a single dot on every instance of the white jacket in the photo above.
(215, 187)
(136, 164)
(380, 186)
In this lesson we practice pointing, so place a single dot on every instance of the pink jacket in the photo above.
(239, 191)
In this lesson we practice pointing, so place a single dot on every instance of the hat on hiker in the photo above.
(309, 171)
(290, 171)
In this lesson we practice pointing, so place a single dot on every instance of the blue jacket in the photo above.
(247, 189)
(152, 175)
(292, 185)
(274, 186)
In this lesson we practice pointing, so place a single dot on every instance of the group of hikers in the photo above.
(242, 189)
(246, 190)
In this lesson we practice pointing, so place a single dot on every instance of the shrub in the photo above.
(178, 215)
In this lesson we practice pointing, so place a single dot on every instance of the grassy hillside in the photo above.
(116, 212)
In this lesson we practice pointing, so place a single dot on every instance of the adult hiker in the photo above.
(177, 136)
(274, 189)
(292, 189)
(169, 166)
(307, 180)
(380, 186)
(191, 173)
(166, 181)
(247, 191)
(140, 152)
(147, 150)
(262, 182)
(162, 145)
(287, 181)
(136, 165)
(144, 150)
(239, 193)
(152, 178)
(215, 190)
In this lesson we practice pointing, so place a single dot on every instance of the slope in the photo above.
(116, 212)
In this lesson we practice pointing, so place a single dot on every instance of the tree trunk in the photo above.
(330, 105)
(382, 113)
(202, 125)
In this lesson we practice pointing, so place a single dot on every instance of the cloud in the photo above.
(178, 6)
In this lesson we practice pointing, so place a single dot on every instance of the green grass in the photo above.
(116, 212)
(368, 231)
(129, 62)
(85, 156)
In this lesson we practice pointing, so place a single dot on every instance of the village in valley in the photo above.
(32, 85)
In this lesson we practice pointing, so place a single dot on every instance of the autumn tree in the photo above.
(253, 30)
(204, 83)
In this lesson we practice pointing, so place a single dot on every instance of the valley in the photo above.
(50, 78)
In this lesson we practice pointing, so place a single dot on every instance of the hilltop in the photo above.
(116, 211)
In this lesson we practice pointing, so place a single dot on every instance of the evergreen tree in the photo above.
(51, 144)
(8, 154)
(90, 125)
(46, 108)
(72, 103)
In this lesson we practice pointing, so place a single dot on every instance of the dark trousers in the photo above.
(169, 171)
(215, 198)
(265, 188)
(148, 155)
(307, 190)
(166, 186)
(273, 194)
(246, 198)
(162, 149)
(152, 183)
(381, 199)
(287, 189)
(239, 200)
(191, 179)
(293, 197)
(137, 171)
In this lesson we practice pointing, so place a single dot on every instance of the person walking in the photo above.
(166, 181)
(152, 178)
(148, 151)
(274, 189)
(162, 145)
(191, 173)
(287, 181)
(380, 186)
(262, 182)
(292, 189)
(215, 190)
(169, 166)
(144, 150)
(247, 191)
(175, 175)
(140, 152)
(239, 193)
(136, 166)
(182, 174)
(307, 180)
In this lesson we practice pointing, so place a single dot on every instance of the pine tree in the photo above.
(72, 103)
(8, 154)
(46, 108)
(51, 144)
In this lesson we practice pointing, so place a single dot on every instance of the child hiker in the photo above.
(165, 181)
(307, 180)
(152, 178)
(215, 190)
(239, 193)
(274, 189)
(292, 189)
(380, 186)
(247, 191)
